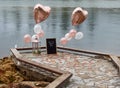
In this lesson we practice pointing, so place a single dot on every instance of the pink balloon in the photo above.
(63, 41)
(47, 9)
(41, 13)
(72, 33)
(38, 5)
(27, 38)
(41, 34)
(78, 16)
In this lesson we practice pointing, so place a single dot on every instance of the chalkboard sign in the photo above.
(51, 46)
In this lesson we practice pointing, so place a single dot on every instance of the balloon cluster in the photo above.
(78, 16)
(71, 34)
(39, 33)
(41, 13)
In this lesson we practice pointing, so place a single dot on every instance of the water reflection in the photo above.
(101, 28)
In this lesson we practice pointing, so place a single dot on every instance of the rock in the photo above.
(91, 83)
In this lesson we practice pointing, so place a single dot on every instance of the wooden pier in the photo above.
(62, 76)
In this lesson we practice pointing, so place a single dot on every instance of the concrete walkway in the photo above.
(88, 71)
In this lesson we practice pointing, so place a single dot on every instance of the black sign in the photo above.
(51, 46)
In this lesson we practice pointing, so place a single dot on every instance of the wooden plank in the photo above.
(57, 83)
(116, 60)
(60, 81)
(16, 53)
(29, 48)
(66, 48)
(25, 60)
(70, 49)
(83, 51)
(46, 67)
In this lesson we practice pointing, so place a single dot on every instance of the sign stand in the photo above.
(51, 46)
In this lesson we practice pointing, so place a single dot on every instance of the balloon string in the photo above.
(40, 47)
(63, 53)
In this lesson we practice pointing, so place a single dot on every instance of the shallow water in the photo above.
(101, 28)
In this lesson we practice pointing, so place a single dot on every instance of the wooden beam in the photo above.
(57, 83)
(67, 48)
(16, 53)
(83, 51)
(29, 48)
(116, 60)
(19, 57)
(45, 67)
(60, 81)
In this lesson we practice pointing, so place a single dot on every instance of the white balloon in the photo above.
(79, 35)
(68, 37)
(15, 45)
(37, 28)
(41, 34)
(35, 38)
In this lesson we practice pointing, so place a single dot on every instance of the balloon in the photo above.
(79, 35)
(35, 38)
(15, 45)
(27, 38)
(41, 34)
(72, 33)
(78, 16)
(37, 28)
(67, 36)
(63, 41)
(38, 5)
(41, 12)
(47, 9)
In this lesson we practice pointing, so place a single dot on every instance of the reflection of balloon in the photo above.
(27, 38)
(41, 34)
(79, 35)
(37, 28)
(41, 12)
(67, 36)
(72, 33)
(78, 16)
(63, 41)
(35, 38)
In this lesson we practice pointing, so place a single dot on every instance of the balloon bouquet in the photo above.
(78, 16)
(41, 13)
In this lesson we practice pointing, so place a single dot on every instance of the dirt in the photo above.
(10, 77)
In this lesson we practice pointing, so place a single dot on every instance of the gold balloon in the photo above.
(78, 16)
(41, 13)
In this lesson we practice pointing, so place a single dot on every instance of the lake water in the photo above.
(101, 29)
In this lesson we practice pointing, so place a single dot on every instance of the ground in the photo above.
(89, 71)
